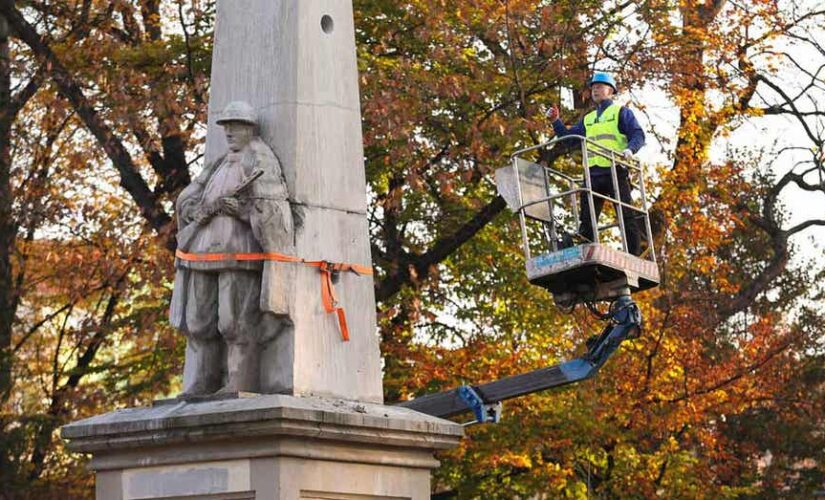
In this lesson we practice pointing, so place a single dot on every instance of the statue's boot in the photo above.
(242, 365)
(206, 357)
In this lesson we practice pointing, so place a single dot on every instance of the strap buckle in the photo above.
(333, 269)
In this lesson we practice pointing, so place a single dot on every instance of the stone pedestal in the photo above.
(263, 447)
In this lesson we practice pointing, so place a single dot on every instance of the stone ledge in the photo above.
(256, 420)
(245, 448)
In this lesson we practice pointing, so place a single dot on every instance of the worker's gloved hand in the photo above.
(553, 113)
(628, 154)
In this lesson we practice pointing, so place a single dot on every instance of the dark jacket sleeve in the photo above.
(561, 130)
(629, 126)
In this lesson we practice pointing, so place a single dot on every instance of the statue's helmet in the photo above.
(238, 111)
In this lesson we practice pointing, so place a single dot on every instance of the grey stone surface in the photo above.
(274, 413)
(167, 482)
(276, 446)
(321, 363)
(109, 485)
(302, 81)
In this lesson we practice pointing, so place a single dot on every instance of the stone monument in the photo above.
(282, 379)
(230, 308)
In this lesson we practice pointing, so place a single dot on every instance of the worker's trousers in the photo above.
(602, 183)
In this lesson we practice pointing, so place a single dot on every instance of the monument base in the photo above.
(265, 447)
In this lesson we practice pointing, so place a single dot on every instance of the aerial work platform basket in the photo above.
(573, 267)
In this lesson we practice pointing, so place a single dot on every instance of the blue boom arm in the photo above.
(484, 400)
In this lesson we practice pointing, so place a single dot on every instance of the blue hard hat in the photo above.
(606, 78)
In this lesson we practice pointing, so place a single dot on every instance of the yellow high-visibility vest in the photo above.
(604, 130)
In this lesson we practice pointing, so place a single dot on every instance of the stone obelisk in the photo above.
(320, 429)
(294, 62)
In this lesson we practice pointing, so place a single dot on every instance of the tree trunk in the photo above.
(7, 225)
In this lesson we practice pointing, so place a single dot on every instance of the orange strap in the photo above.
(327, 269)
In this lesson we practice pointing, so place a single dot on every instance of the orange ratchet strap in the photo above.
(327, 269)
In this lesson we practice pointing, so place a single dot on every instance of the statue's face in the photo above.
(238, 135)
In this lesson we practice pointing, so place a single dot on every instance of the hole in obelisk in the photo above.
(327, 24)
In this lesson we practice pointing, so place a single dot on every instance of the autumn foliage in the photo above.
(102, 124)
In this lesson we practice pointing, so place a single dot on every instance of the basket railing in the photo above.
(575, 187)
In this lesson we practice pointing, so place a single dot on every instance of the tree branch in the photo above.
(22, 97)
(130, 178)
(735, 377)
(790, 102)
(442, 249)
(804, 225)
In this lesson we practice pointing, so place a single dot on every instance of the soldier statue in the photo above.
(227, 307)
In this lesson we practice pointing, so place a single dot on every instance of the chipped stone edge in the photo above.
(265, 416)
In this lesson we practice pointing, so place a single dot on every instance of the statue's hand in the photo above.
(204, 212)
(229, 205)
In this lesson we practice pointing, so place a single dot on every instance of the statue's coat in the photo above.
(265, 206)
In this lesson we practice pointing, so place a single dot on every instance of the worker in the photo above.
(615, 127)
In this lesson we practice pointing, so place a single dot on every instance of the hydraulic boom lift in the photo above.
(546, 201)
